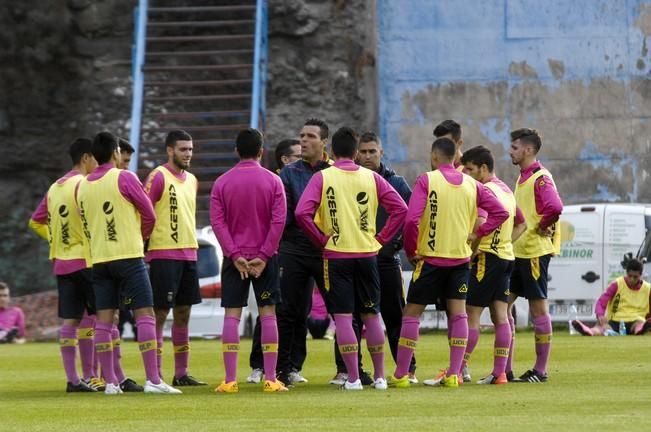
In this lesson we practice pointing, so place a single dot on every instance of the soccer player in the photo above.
(56, 220)
(626, 299)
(287, 151)
(247, 213)
(536, 195)
(126, 150)
(172, 250)
(492, 266)
(116, 216)
(12, 319)
(338, 210)
(452, 130)
(438, 228)
(392, 298)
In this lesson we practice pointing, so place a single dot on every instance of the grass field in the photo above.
(596, 384)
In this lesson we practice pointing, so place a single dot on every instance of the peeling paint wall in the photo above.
(577, 70)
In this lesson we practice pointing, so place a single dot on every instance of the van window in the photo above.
(207, 262)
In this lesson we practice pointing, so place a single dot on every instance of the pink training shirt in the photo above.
(602, 303)
(132, 190)
(311, 200)
(154, 188)
(248, 211)
(495, 214)
(12, 317)
(59, 267)
(548, 202)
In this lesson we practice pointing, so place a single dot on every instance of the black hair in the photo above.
(528, 136)
(344, 142)
(479, 156)
(635, 265)
(125, 147)
(448, 127)
(284, 148)
(323, 127)
(248, 143)
(79, 148)
(176, 135)
(4, 286)
(104, 145)
(369, 137)
(445, 146)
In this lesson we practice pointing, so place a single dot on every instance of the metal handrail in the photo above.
(137, 62)
(258, 95)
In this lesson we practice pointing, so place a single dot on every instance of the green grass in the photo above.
(595, 384)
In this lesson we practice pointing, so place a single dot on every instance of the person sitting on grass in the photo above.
(12, 320)
(626, 300)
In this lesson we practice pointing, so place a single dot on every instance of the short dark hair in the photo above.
(479, 156)
(635, 265)
(248, 143)
(284, 148)
(176, 135)
(79, 148)
(344, 142)
(104, 145)
(369, 137)
(125, 147)
(324, 132)
(528, 136)
(448, 127)
(445, 146)
(4, 285)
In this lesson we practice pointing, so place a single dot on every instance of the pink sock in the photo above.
(86, 337)
(509, 360)
(117, 354)
(68, 347)
(348, 346)
(181, 343)
(375, 344)
(473, 338)
(269, 341)
(542, 327)
(159, 350)
(104, 351)
(406, 345)
(458, 342)
(502, 344)
(231, 346)
(147, 343)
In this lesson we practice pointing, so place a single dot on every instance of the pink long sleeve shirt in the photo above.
(311, 200)
(495, 214)
(12, 317)
(247, 211)
(548, 202)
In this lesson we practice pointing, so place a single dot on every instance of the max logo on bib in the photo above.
(362, 200)
(111, 232)
(65, 229)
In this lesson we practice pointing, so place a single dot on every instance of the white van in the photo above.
(594, 240)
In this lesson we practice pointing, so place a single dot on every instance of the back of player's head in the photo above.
(324, 132)
(445, 147)
(79, 148)
(284, 148)
(344, 143)
(479, 156)
(104, 145)
(125, 146)
(176, 135)
(635, 265)
(248, 143)
(529, 137)
(448, 127)
(370, 137)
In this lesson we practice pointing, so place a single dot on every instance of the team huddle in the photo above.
(337, 224)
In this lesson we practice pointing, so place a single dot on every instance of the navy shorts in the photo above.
(434, 284)
(76, 294)
(353, 285)
(235, 291)
(123, 280)
(174, 282)
(529, 277)
(489, 280)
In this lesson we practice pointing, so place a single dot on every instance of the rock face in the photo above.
(67, 73)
